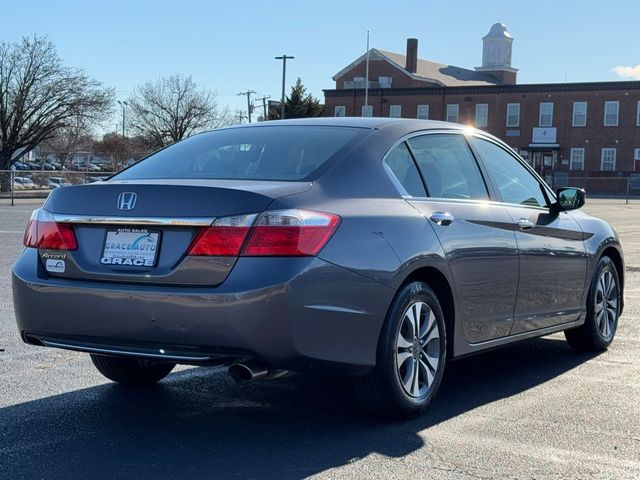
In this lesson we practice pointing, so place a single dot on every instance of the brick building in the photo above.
(586, 134)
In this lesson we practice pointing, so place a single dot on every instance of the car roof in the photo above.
(358, 122)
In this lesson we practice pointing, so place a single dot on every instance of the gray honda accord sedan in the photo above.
(374, 248)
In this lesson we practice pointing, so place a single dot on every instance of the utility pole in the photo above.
(240, 116)
(249, 106)
(366, 81)
(284, 74)
(123, 104)
(264, 106)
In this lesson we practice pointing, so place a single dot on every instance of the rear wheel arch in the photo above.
(441, 287)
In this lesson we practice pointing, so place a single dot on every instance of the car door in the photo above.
(477, 237)
(553, 264)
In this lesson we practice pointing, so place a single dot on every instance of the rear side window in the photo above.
(401, 164)
(448, 167)
(514, 182)
(248, 153)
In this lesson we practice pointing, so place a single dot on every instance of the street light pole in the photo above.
(284, 74)
(123, 104)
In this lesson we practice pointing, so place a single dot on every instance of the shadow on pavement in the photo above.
(199, 424)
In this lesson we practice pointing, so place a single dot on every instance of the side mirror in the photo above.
(569, 198)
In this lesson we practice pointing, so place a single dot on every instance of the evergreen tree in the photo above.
(299, 104)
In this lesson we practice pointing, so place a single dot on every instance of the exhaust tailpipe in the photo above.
(251, 370)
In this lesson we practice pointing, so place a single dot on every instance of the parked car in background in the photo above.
(57, 182)
(19, 165)
(372, 247)
(23, 183)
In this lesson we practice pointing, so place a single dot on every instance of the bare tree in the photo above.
(39, 95)
(120, 149)
(69, 140)
(172, 108)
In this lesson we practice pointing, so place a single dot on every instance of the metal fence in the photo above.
(38, 183)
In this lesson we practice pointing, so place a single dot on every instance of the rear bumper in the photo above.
(292, 313)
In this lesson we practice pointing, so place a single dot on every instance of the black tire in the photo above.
(593, 335)
(131, 371)
(382, 391)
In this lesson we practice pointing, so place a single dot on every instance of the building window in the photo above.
(423, 112)
(579, 114)
(367, 110)
(636, 154)
(513, 114)
(482, 115)
(611, 114)
(546, 114)
(608, 160)
(577, 159)
(395, 111)
(340, 111)
(452, 112)
(385, 82)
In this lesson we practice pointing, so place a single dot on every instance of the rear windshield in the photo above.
(248, 153)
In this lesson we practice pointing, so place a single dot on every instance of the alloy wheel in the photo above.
(606, 303)
(417, 349)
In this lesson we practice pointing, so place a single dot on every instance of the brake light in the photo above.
(44, 232)
(224, 238)
(290, 233)
(276, 233)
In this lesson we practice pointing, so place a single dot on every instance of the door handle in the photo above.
(442, 218)
(525, 224)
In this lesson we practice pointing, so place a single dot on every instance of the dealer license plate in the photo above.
(133, 247)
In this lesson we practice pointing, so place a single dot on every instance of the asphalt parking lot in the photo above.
(534, 410)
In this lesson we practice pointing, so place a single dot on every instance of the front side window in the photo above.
(513, 115)
(367, 110)
(611, 114)
(423, 112)
(515, 183)
(340, 111)
(546, 114)
(608, 160)
(577, 159)
(579, 114)
(400, 163)
(482, 115)
(448, 167)
(452, 112)
(249, 153)
(395, 111)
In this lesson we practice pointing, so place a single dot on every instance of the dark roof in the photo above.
(427, 71)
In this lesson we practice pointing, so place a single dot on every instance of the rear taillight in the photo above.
(224, 238)
(275, 233)
(43, 232)
(290, 233)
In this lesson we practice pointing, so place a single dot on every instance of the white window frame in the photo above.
(608, 155)
(425, 109)
(550, 114)
(516, 114)
(576, 158)
(636, 154)
(368, 109)
(615, 103)
(573, 117)
(453, 111)
(340, 111)
(395, 111)
(482, 115)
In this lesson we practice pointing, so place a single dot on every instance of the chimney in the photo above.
(412, 55)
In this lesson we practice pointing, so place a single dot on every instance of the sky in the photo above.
(230, 46)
